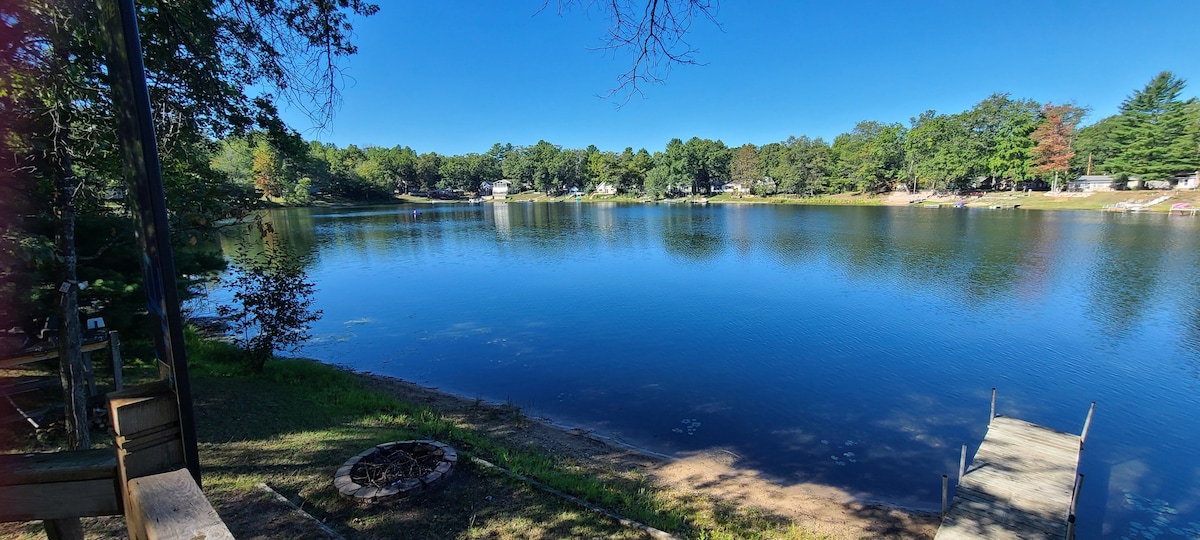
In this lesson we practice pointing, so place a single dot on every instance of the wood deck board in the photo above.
(1018, 485)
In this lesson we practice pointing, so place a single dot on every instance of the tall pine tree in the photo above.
(1155, 132)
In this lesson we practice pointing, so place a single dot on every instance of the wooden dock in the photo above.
(1022, 484)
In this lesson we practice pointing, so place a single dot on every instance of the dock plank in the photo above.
(1019, 485)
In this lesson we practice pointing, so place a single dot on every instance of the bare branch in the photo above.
(651, 34)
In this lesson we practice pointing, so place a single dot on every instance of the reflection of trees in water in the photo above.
(308, 231)
(1189, 296)
(1126, 273)
(692, 233)
(964, 254)
(1191, 332)
(1005, 252)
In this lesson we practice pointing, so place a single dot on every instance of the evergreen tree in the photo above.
(1155, 133)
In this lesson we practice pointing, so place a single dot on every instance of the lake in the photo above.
(850, 346)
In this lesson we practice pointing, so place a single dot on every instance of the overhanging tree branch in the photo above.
(651, 32)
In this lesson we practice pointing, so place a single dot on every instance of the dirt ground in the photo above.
(712, 476)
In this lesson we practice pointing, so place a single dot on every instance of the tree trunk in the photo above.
(70, 336)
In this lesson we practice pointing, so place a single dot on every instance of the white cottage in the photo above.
(606, 188)
(1091, 182)
(500, 189)
(1189, 181)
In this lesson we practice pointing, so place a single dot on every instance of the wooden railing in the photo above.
(143, 477)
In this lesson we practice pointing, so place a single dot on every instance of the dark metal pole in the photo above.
(143, 175)
(945, 488)
(993, 416)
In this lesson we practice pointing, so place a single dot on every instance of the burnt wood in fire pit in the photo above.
(393, 470)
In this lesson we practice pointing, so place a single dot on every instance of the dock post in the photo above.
(993, 407)
(1074, 504)
(945, 482)
(962, 464)
(1087, 424)
(89, 373)
(114, 348)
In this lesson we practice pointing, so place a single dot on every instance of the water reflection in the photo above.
(967, 255)
(691, 233)
(1125, 276)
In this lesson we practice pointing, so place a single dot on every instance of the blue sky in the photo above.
(455, 77)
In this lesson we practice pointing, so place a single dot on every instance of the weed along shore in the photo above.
(293, 425)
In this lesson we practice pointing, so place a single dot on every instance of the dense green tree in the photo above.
(1094, 146)
(743, 168)
(543, 166)
(706, 163)
(602, 167)
(810, 160)
(1154, 133)
(659, 181)
(940, 151)
(428, 171)
(634, 168)
(676, 168)
(871, 156)
(568, 170)
(999, 143)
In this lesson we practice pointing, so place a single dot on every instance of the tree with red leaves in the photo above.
(1052, 139)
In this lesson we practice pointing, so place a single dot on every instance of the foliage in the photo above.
(989, 146)
(744, 166)
(1095, 146)
(272, 307)
(1155, 133)
(1052, 152)
(202, 60)
(872, 155)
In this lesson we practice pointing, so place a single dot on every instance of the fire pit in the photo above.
(394, 470)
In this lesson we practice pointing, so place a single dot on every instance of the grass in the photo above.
(293, 424)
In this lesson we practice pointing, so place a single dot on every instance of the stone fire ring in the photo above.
(367, 495)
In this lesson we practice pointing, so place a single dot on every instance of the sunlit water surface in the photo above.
(855, 347)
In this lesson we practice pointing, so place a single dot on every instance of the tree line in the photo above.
(1000, 143)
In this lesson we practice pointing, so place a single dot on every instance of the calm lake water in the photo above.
(855, 347)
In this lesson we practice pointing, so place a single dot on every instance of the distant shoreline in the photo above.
(1117, 201)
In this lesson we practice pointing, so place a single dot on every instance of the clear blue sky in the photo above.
(455, 77)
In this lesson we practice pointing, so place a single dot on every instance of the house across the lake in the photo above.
(736, 188)
(1091, 182)
(1188, 181)
(606, 188)
(500, 189)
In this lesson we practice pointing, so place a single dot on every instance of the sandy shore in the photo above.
(712, 476)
